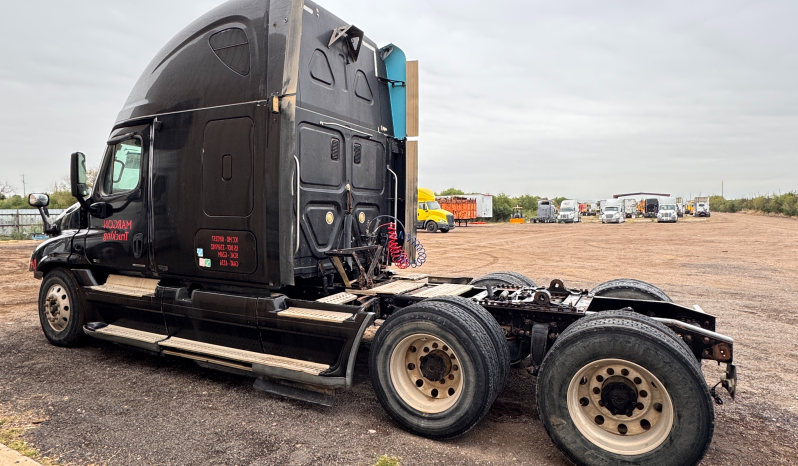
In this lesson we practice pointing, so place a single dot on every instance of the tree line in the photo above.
(503, 204)
(784, 204)
(60, 193)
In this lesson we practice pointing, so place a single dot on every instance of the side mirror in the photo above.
(78, 176)
(38, 200)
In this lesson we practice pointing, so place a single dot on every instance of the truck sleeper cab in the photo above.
(613, 211)
(569, 212)
(668, 211)
(250, 200)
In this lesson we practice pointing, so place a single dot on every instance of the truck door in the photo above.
(120, 241)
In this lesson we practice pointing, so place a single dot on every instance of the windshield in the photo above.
(701, 204)
(433, 205)
(667, 207)
(567, 209)
(610, 209)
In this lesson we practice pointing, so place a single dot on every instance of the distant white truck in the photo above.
(701, 207)
(680, 206)
(612, 211)
(569, 212)
(629, 208)
(668, 212)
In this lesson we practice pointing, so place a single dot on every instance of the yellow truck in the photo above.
(430, 215)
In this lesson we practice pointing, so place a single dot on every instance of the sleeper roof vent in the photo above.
(232, 48)
(353, 38)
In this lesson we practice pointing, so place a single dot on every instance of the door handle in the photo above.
(138, 245)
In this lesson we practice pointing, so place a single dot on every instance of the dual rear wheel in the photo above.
(438, 365)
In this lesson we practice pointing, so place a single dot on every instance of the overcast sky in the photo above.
(581, 99)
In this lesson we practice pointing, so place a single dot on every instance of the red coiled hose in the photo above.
(396, 251)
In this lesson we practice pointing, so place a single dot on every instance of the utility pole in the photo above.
(23, 185)
(721, 189)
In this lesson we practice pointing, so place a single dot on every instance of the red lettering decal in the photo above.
(223, 262)
(233, 255)
(232, 239)
(221, 254)
(233, 263)
(232, 247)
(217, 247)
(218, 239)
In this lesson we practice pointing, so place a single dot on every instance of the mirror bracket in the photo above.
(101, 210)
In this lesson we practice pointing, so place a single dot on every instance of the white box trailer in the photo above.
(484, 204)
(630, 207)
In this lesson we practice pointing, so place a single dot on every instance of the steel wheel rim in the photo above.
(644, 430)
(420, 354)
(57, 308)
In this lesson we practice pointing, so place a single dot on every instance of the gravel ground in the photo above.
(100, 404)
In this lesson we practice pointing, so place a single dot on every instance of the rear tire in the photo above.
(635, 368)
(630, 288)
(419, 344)
(62, 308)
(503, 278)
(491, 327)
(444, 230)
(431, 227)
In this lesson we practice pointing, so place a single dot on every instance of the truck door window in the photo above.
(122, 173)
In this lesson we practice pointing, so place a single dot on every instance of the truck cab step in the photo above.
(338, 298)
(124, 335)
(128, 286)
(315, 314)
(249, 357)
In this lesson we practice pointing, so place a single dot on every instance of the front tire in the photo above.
(61, 308)
(617, 391)
(434, 369)
(431, 227)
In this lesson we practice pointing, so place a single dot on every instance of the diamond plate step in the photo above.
(447, 289)
(250, 357)
(338, 298)
(397, 287)
(128, 286)
(315, 314)
(129, 333)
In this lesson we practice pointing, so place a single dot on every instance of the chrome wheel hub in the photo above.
(57, 307)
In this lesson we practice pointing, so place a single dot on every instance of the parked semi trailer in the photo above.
(467, 207)
(254, 188)
(630, 208)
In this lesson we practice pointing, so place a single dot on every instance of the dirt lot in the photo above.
(100, 404)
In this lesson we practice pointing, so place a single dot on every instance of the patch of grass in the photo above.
(10, 437)
(386, 460)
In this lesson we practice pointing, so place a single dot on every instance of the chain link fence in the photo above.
(17, 223)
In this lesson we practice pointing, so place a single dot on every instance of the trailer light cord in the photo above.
(397, 253)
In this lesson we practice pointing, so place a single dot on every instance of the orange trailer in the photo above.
(463, 208)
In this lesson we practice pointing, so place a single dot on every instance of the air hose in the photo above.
(397, 253)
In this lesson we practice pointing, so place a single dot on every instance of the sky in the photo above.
(582, 99)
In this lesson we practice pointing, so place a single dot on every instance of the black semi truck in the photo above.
(256, 189)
